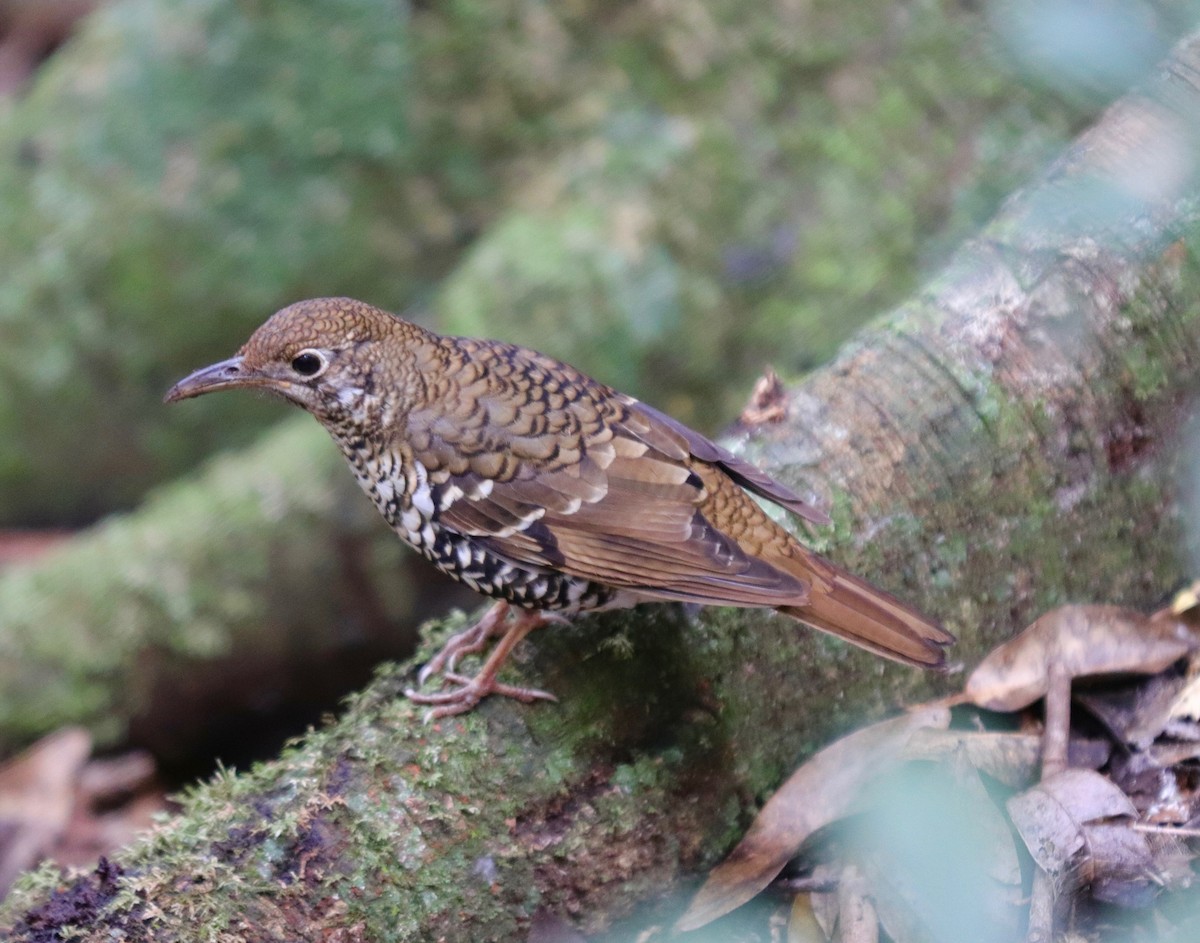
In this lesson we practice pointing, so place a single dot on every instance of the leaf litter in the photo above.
(59, 803)
(1057, 798)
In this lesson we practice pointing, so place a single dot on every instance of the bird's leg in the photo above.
(470, 691)
(466, 642)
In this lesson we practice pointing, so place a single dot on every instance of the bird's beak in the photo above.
(228, 374)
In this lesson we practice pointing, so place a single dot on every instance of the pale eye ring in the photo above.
(310, 363)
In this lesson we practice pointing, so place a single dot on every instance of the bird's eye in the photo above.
(309, 363)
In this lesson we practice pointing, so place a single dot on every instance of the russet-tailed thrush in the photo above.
(546, 489)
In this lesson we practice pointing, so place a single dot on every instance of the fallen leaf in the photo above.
(1153, 787)
(802, 922)
(824, 903)
(1077, 826)
(1186, 706)
(1172, 858)
(1184, 605)
(997, 850)
(37, 795)
(1083, 640)
(1167, 754)
(857, 921)
(91, 835)
(768, 400)
(1136, 714)
(1187, 702)
(1120, 864)
(818, 792)
(1010, 758)
(108, 781)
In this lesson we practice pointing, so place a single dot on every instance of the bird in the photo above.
(547, 490)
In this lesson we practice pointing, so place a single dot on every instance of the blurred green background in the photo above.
(670, 194)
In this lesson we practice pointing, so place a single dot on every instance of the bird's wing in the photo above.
(748, 476)
(607, 491)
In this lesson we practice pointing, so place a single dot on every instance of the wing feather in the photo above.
(741, 471)
(613, 491)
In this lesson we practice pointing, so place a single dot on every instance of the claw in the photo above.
(467, 642)
(470, 691)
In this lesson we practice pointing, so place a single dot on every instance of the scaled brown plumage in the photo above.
(546, 489)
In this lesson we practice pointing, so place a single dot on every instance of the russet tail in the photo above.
(850, 608)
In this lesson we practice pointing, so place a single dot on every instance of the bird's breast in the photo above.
(411, 502)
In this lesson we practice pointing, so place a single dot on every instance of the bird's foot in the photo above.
(466, 642)
(468, 692)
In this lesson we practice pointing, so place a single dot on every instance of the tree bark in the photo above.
(1003, 442)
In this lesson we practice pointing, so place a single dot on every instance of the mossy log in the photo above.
(1003, 442)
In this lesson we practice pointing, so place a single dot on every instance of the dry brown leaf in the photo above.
(1155, 789)
(818, 792)
(1120, 864)
(1050, 816)
(802, 922)
(1084, 640)
(1184, 605)
(37, 794)
(1136, 714)
(1168, 753)
(768, 400)
(1077, 826)
(107, 781)
(824, 903)
(1187, 703)
(1172, 858)
(1186, 706)
(90, 835)
(1010, 758)
(857, 920)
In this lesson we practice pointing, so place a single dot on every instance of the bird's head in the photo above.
(338, 358)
